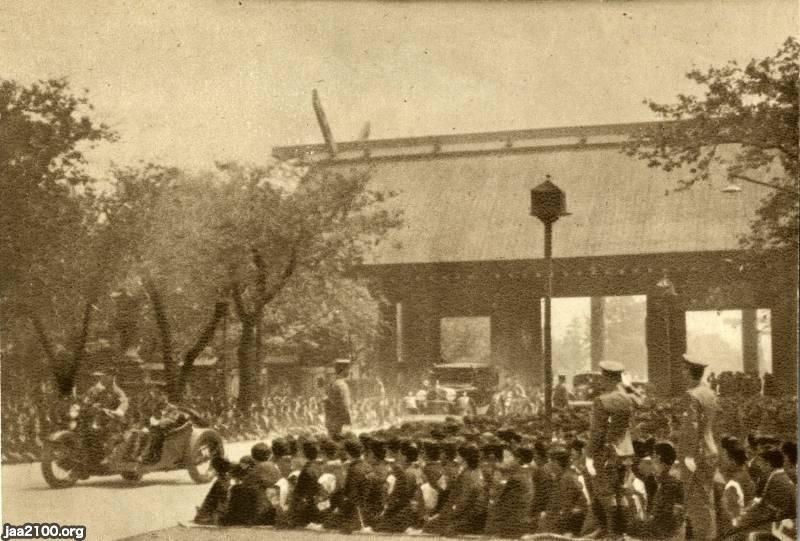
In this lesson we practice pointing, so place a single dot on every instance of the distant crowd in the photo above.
(30, 417)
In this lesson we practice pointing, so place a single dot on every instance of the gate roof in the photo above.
(467, 197)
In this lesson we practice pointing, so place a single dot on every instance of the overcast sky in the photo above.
(191, 82)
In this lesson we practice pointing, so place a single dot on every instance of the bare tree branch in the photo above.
(44, 340)
(279, 284)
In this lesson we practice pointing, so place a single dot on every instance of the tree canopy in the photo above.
(744, 126)
(151, 258)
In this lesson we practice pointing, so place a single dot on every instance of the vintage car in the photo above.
(478, 380)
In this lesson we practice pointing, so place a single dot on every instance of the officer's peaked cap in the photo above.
(612, 366)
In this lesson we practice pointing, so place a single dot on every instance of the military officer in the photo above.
(560, 394)
(337, 401)
(610, 451)
(698, 451)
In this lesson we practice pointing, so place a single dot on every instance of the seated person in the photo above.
(303, 508)
(464, 511)
(245, 502)
(215, 504)
(164, 417)
(566, 510)
(665, 517)
(778, 502)
(738, 488)
(401, 510)
(509, 513)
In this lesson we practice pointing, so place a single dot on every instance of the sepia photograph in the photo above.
(298, 270)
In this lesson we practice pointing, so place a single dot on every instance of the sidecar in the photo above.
(186, 447)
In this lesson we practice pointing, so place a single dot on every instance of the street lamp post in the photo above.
(666, 292)
(548, 203)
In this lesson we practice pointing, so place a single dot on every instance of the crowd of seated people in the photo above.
(481, 478)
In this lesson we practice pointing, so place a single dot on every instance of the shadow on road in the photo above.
(119, 484)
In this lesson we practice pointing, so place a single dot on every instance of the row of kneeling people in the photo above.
(498, 487)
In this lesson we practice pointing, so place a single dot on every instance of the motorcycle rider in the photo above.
(106, 396)
(163, 416)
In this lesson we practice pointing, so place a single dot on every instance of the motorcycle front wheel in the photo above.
(59, 460)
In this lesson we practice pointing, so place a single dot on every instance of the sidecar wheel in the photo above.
(204, 446)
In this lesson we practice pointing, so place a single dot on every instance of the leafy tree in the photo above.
(745, 125)
(282, 235)
(466, 340)
(571, 353)
(54, 254)
(152, 213)
(324, 317)
(625, 333)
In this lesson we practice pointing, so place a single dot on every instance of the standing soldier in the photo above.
(698, 451)
(610, 451)
(560, 394)
(337, 401)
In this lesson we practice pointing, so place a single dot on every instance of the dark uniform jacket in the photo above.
(544, 486)
(400, 513)
(665, 516)
(778, 502)
(567, 507)
(433, 472)
(560, 397)
(263, 475)
(303, 504)
(375, 500)
(759, 471)
(610, 435)
(451, 470)
(337, 406)
(465, 509)
(696, 436)
(215, 504)
(509, 514)
(247, 506)
(354, 495)
(735, 496)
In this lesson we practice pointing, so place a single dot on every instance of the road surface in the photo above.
(109, 507)
(265, 534)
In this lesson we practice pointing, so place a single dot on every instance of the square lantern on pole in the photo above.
(548, 201)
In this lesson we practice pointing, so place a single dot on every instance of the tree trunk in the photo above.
(176, 392)
(162, 322)
(248, 366)
(65, 367)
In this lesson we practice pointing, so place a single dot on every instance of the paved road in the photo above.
(265, 534)
(109, 507)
